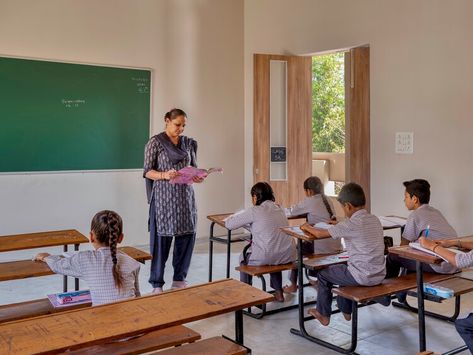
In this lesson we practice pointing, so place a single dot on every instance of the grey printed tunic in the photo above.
(174, 204)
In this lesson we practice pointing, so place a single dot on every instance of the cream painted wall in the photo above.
(195, 49)
(421, 81)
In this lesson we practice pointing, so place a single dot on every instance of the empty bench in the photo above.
(211, 346)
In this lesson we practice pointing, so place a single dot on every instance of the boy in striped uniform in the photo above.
(363, 235)
(423, 220)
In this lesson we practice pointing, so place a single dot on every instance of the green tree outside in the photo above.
(328, 103)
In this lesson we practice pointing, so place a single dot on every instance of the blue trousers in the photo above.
(160, 247)
(333, 275)
(465, 329)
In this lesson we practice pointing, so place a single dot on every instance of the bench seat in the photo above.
(387, 287)
(155, 340)
(258, 270)
(211, 346)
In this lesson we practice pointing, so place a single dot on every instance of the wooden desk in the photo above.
(95, 325)
(22, 269)
(42, 240)
(419, 257)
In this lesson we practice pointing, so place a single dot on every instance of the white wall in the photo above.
(196, 51)
(421, 81)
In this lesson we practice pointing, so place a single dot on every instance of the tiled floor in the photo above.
(382, 330)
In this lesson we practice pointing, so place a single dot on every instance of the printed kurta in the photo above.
(174, 204)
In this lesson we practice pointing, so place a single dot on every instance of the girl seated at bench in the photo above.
(318, 209)
(269, 246)
(464, 326)
(110, 274)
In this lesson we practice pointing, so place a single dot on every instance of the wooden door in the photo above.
(298, 125)
(357, 115)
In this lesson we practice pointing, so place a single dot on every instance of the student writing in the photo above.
(269, 245)
(110, 274)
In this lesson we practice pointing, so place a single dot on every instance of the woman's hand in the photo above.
(41, 256)
(197, 179)
(427, 243)
(170, 174)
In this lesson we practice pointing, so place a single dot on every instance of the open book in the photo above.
(417, 246)
(185, 175)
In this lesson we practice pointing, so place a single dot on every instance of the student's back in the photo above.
(363, 235)
(269, 245)
(427, 216)
(95, 267)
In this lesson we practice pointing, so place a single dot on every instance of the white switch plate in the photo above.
(404, 143)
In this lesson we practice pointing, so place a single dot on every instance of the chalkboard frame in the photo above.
(96, 64)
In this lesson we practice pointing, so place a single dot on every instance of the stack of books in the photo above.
(65, 299)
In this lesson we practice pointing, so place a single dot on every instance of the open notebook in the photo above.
(417, 246)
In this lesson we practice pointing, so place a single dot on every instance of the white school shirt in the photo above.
(316, 212)
(270, 246)
(426, 215)
(464, 260)
(364, 242)
(95, 268)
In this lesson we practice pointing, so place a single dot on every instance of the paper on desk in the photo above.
(417, 246)
(185, 175)
(392, 221)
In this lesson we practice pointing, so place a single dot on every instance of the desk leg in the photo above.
(76, 281)
(420, 305)
(211, 250)
(239, 326)
(64, 278)
(229, 246)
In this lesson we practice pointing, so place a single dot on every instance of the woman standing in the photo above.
(172, 212)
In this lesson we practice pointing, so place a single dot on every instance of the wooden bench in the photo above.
(211, 346)
(459, 285)
(366, 294)
(154, 340)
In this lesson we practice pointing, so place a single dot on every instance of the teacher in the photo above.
(172, 209)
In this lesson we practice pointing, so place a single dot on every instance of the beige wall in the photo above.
(195, 49)
(421, 81)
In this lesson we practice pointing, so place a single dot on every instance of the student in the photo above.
(318, 209)
(423, 220)
(110, 274)
(269, 245)
(363, 235)
(464, 326)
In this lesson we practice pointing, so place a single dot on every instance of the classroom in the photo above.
(233, 83)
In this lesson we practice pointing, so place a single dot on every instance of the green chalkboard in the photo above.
(61, 116)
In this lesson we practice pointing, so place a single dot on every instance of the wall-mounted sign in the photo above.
(278, 154)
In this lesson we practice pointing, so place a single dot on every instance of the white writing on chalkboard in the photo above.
(71, 103)
(142, 85)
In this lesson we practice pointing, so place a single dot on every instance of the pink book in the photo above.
(185, 175)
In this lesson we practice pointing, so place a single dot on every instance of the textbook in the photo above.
(65, 299)
(185, 175)
(417, 246)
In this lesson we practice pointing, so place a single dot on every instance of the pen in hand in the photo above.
(427, 230)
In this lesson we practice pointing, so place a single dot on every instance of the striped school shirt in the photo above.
(95, 268)
(316, 212)
(464, 260)
(363, 235)
(269, 246)
(417, 223)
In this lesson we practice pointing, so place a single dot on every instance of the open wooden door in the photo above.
(357, 116)
(282, 97)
